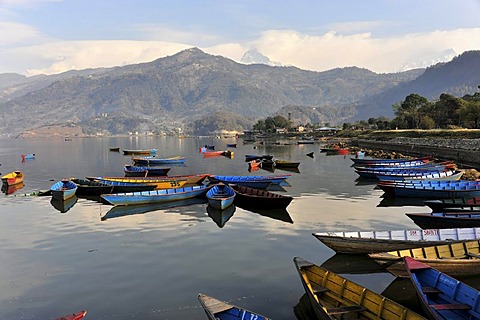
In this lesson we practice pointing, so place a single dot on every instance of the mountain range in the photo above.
(195, 92)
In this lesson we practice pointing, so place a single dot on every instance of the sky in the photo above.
(54, 36)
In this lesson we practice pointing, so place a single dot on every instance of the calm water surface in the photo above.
(152, 263)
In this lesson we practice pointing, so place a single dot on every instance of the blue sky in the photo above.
(52, 36)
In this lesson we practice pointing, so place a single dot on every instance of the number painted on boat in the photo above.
(430, 232)
(174, 184)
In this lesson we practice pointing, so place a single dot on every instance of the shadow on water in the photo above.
(352, 264)
(122, 211)
(277, 214)
(220, 217)
(64, 206)
(401, 202)
(303, 309)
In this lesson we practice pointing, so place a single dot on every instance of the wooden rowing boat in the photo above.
(64, 189)
(158, 182)
(221, 310)
(456, 259)
(155, 196)
(139, 151)
(139, 171)
(333, 296)
(251, 197)
(74, 316)
(190, 178)
(13, 178)
(151, 161)
(438, 205)
(220, 196)
(365, 242)
(390, 162)
(286, 164)
(441, 189)
(96, 188)
(434, 175)
(442, 296)
(443, 220)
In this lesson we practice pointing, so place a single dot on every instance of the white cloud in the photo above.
(17, 33)
(63, 56)
(310, 52)
(333, 50)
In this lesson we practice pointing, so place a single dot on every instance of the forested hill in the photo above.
(458, 77)
(192, 87)
(176, 90)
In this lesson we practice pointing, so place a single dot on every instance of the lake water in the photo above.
(153, 264)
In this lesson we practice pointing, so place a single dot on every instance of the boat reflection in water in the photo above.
(277, 214)
(352, 264)
(220, 217)
(401, 290)
(122, 211)
(401, 202)
(12, 188)
(303, 309)
(65, 205)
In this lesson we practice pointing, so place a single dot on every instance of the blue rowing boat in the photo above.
(140, 171)
(64, 189)
(443, 220)
(434, 189)
(390, 162)
(433, 175)
(273, 179)
(155, 196)
(442, 296)
(220, 310)
(221, 196)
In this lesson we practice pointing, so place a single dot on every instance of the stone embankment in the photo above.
(464, 152)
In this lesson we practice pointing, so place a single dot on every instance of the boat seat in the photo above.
(343, 310)
(451, 306)
(427, 290)
(319, 289)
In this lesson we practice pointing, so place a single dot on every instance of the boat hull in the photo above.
(455, 259)
(445, 220)
(62, 190)
(251, 197)
(220, 196)
(331, 295)
(220, 310)
(156, 196)
(441, 296)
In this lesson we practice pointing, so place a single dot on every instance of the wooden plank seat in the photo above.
(451, 306)
(343, 310)
(318, 289)
(427, 290)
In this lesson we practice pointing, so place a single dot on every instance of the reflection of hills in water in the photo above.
(121, 211)
(401, 202)
(64, 206)
(277, 214)
(352, 264)
(11, 189)
(220, 217)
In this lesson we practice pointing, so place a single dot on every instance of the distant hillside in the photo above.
(458, 77)
(176, 91)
